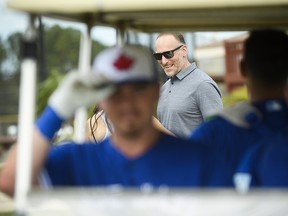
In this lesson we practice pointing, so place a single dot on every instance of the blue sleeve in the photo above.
(49, 123)
(206, 133)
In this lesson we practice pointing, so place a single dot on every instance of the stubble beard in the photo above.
(130, 132)
(170, 72)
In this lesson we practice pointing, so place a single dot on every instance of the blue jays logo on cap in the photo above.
(129, 63)
(123, 62)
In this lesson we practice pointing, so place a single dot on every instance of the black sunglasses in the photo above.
(168, 54)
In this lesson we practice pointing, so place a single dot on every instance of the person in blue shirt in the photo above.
(124, 83)
(266, 164)
(237, 129)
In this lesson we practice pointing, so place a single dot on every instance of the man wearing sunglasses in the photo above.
(189, 96)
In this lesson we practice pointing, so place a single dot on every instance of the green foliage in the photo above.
(46, 88)
(14, 44)
(13, 51)
(61, 48)
(61, 54)
(90, 111)
(3, 53)
(237, 95)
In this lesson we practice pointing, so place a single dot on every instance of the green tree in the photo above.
(61, 54)
(13, 52)
(62, 48)
(3, 54)
(45, 89)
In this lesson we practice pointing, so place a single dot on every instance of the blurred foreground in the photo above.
(116, 201)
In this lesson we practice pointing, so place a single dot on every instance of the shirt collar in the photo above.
(182, 74)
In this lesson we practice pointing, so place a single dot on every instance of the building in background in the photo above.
(211, 59)
(233, 56)
(221, 61)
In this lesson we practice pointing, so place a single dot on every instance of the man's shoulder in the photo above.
(71, 147)
(176, 143)
(237, 115)
(243, 114)
(202, 75)
(231, 118)
(202, 79)
(166, 141)
(69, 154)
(213, 124)
(172, 147)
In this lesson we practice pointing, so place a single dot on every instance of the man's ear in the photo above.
(184, 48)
(242, 66)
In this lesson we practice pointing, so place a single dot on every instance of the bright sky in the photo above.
(10, 21)
(13, 21)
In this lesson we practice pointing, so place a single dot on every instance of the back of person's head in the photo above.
(266, 56)
(127, 63)
(177, 35)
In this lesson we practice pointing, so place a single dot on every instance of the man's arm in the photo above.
(208, 99)
(157, 124)
(8, 174)
(75, 91)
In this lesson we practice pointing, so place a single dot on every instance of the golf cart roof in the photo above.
(156, 16)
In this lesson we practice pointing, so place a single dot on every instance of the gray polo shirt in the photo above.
(187, 99)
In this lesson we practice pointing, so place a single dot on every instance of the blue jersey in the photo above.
(267, 162)
(238, 129)
(170, 162)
